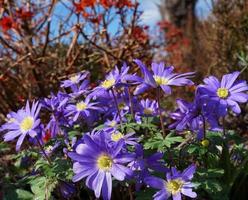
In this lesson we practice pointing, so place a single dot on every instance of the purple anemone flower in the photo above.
(113, 136)
(112, 123)
(56, 105)
(143, 166)
(193, 115)
(73, 81)
(148, 107)
(67, 189)
(227, 93)
(176, 183)
(115, 78)
(98, 162)
(23, 122)
(82, 108)
(161, 77)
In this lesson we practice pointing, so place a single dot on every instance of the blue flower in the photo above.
(82, 108)
(193, 115)
(161, 77)
(115, 78)
(23, 122)
(148, 107)
(176, 183)
(113, 136)
(67, 189)
(56, 106)
(227, 93)
(97, 162)
(143, 166)
(73, 81)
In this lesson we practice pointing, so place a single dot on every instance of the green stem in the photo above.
(160, 112)
(42, 149)
(131, 103)
(116, 104)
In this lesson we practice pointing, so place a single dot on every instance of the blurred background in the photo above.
(42, 42)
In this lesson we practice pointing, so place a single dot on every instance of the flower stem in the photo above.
(160, 112)
(224, 126)
(204, 126)
(116, 104)
(43, 151)
(131, 103)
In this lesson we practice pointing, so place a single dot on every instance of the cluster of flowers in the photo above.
(108, 153)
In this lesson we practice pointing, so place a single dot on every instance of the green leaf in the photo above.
(170, 140)
(24, 195)
(160, 143)
(144, 194)
(42, 187)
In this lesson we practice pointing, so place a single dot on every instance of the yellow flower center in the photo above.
(27, 123)
(174, 186)
(121, 105)
(112, 123)
(116, 136)
(108, 83)
(205, 143)
(104, 162)
(49, 148)
(81, 106)
(160, 80)
(222, 93)
(74, 78)
(148, 111)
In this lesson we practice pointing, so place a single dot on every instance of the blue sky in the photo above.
(151, 13)
(149, 17)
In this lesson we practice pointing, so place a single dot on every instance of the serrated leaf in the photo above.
(42, 187)
(24, 194)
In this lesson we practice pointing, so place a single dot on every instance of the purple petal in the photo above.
(90, 179)
(231, 79)
(117, 173)
(97, 183)
(240, 87)
(126, 170)
(177, 196)
(189, 172)
(161, 195)
(80, 158)
(11, 135)
(234, 106)
(239, 97)
(20, 141)
(148, 77)
(213, 82)
(155, 182)
(107, 187)
(141, 88)
(188, 192)
(166, 89)
(125, 158)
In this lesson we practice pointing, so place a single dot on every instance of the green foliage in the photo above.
(144, 194)
(42, 187)
(160, 143)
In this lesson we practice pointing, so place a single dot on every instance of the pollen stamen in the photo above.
(117, 136)
(222, 93)
(160, 80)
(27, 123)
(104, 162)
(81, 106)
(174, 186)
(108, 83)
